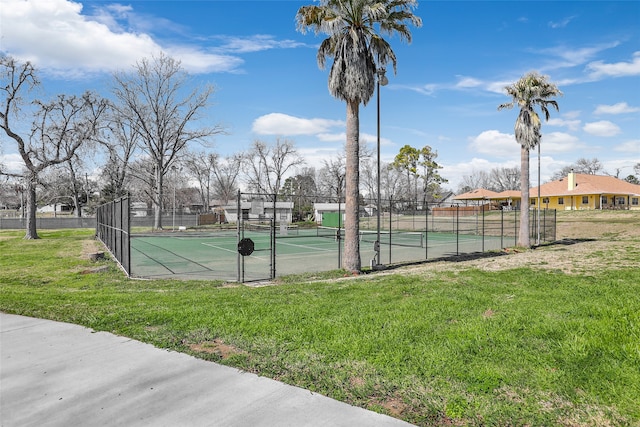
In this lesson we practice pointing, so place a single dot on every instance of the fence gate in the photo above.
(256, 226)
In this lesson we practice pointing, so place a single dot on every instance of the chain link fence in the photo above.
(113, 230)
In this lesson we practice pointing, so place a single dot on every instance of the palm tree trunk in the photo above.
(351, 260)
(523, 237)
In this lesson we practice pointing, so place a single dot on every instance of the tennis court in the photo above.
(275, 247)
(214, 255)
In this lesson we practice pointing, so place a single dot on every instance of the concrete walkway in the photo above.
(59, 374)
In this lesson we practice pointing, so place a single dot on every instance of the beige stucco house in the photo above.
(573, 192)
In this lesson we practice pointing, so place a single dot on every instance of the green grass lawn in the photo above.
(468, 347)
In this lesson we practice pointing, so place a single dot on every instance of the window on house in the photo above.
(604, 200)
(635, 200)
(619, 200)
(585, 200)
(545, 200)
(561, 200)
(533, 202)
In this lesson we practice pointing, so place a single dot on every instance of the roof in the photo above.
(477, 194)
(587, 184)
(584, 184)
(507, 194)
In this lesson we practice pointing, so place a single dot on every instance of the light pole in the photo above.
(380, 81)
(538, 203)
(173, 227)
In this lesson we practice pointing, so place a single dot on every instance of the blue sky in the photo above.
(445, 94)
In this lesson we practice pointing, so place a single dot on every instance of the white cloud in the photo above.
(561, 24)
(567, 56)
(495, 143)
(619, 69)
(570, 124)
(283, 124)
(602, 128)
(57, 37)
(427, 89)
(332, 137)
(571, 114)
(632, 146)
(467, 82)
(619, 108)
(498, 87)
(12, 163)
(316, 156)
(255, 43)
(559, 142)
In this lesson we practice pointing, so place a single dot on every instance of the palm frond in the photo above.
(354, 42)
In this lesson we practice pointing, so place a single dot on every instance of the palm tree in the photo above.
(530, 91)
(357, 49)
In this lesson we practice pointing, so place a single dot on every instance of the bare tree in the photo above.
(121, 142)
(392, 182)
(368, 179)
(225, 177)
(591, 167)
(142, 180)
(582, 165)
(330, 181)
(153, 97)
(266, 166)
(200, 166)
(502, 179)
(497, 179)
(476, 179)
(59, 128)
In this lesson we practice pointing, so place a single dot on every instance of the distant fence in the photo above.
(113, 229)
(48, 223)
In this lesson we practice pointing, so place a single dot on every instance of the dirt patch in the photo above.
(217, 347)
(588, 242)
(90, 247)
(394, 405)
(488, 313)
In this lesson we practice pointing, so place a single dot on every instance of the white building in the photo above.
(260, 210)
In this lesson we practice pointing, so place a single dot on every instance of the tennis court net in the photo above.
(398, 238)
(280, 229)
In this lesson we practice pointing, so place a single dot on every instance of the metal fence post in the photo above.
(239, 237)
(457, 227)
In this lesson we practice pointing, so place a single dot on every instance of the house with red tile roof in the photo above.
(574, 192)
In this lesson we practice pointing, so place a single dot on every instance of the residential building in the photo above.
(574, 192)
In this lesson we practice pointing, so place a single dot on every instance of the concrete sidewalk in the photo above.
(59, 374)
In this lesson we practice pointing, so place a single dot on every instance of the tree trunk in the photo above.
(157, 220)
(351, 260)
(523, 237)
(74, 188)
(31, 232)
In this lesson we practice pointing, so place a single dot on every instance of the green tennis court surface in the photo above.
(214, 255)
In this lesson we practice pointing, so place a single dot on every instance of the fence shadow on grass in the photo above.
(472, 256)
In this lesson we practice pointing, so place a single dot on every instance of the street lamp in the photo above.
(381, 81)
(173, 226)
(538, 202)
